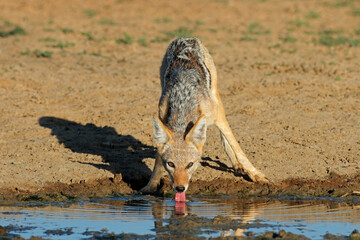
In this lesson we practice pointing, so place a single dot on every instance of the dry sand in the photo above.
(289, 77)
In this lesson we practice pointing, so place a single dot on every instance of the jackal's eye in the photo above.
(189, 165)
(171, 164)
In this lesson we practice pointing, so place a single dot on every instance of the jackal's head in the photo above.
(180, 153)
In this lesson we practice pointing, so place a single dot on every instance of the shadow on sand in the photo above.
(123, 153)
(220, 166)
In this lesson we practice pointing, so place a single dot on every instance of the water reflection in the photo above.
(209, 217)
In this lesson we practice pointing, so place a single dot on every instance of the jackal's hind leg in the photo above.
(238, 158)
(155, 177)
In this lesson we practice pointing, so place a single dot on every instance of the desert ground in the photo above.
(79, 85)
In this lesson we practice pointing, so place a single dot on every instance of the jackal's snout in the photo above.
(179, 188)
(180, 179)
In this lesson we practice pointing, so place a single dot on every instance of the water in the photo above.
(149, 215)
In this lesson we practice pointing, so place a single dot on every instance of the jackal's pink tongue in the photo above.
(180, 197)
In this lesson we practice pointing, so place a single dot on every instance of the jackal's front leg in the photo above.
(238, 158)
(155, 177)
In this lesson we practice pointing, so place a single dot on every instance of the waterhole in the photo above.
(200, 217)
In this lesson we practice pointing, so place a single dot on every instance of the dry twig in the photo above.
(352, 192)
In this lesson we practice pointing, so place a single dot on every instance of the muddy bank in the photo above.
(334, 186)
(281, 234)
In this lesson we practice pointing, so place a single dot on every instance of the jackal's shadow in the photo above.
(123, 153)
(220, 166)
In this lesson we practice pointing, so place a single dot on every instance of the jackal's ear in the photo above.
(162, 134)
(197, 134)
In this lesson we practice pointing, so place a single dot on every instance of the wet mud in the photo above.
(334, 186)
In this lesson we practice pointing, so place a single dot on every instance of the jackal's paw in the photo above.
(150, 188)
(254, 175)
(259, 177)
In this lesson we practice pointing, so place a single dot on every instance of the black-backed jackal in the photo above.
(189, 103)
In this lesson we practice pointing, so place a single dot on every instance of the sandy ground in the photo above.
(289, 77)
